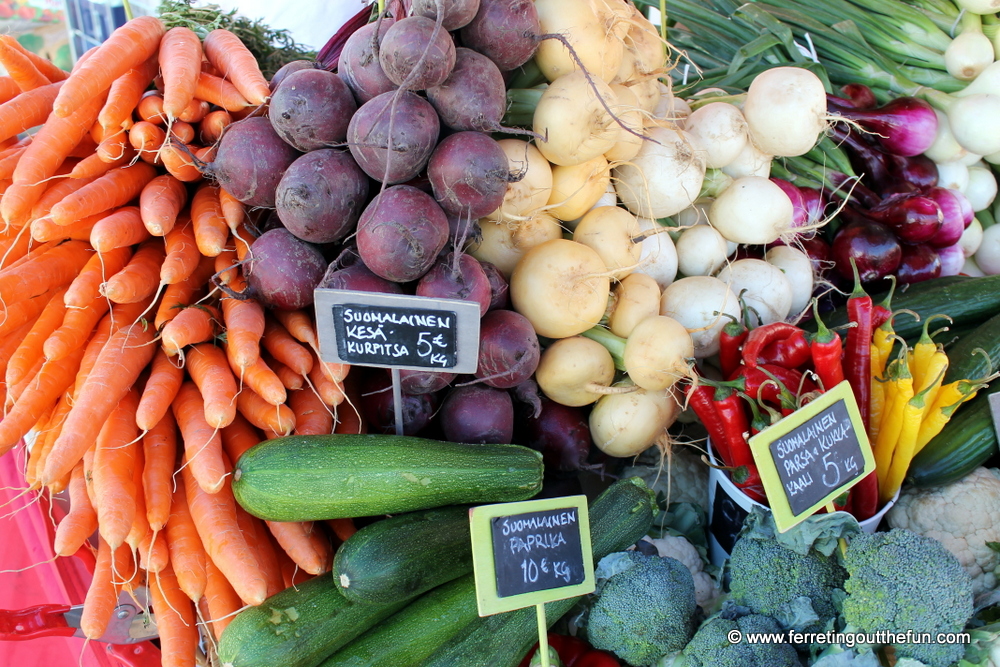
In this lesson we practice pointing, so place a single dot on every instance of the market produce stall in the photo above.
(724, 274)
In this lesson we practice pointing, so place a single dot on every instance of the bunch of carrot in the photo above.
(141, 379)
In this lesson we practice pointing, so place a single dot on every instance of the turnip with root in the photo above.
(797, 267)
(658, 353)
(721, 130)
(574, 123)
(763, 286)
(665, 177)
(577, 188)
(658, 258)
(576, 371)
(753, 210)
(532, 186)
(614, 234)
(785, 111)
(628, 424)
(635, 298)
(701, 251)
(701, 304)
(590, 28)
(630, 114)
(504, 243)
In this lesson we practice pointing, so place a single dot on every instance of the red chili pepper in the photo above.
(826, 350)
(701, 400)
(882, 312)
(732, 338)
(791, 352)
(734, 420)
(761, 337)
(858, 371)
(574, 652)
(755, 378)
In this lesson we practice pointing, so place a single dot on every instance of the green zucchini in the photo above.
(298, 627)
(619, 517)
(969, 438)
(403, 556)
(316, 477)
(965, 300)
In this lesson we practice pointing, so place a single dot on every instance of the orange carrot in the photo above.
(180, 295)
(226, 267)
(212, 126)
(93, 349)
(182, 132)
(9, 161)
(298, 541)
(124, 96)
(342, 528)
(223, 602)
(47, 429)
(299, 324)
(56, 192)
(57, 266)
(238, 437)
(56, 139)
(285, 348)
(115, 188)
(129, 46)
(113, 148)
(81, 521)
(263, 381)
(210, 229)
(208, 367)
(147, 139)
(139, 529)
(244, 328)
(175, 620)
(202, 442)
(179, 163)
(186, 551)
(9, 344)
(150, 108)
(27, 110)
(160, 202)
(121, 229)
(161, 388)
(220, 92)
(87, 285)
(102, 596)
(194, 324)
(127, 352)
(114, 461)
(77, 324)
(214, 516)
(182, 254)
(14, 391)
(291, 380)
(225, 50)
(44, 230)
(140, 278)
(332, 393)
(8, 89)
(312, 417)
(95, 165)
(232, 210)
(154, 555)
(260, 413)
(159, 447)
(266, 550)
(195, 111)
(180, 65)
(20, 313)
(30, 349)
(19, 67)
(44, 65)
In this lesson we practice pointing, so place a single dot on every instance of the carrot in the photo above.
(115, 188)
(56, 139)
(186, 551)
(178, 296)
(86, 147)
(213, 125)
(30, 349)
(102, 596)
(27, 110)
(226, 266)
(150, 108)
(44, 230)
(264, 382)
(238, 437)
(298, 541)
(285, 348)
(128, 46)
(81, 521)
(87, 284)
(245, 324)
(220, 92)
(9, 161)
(127, 352)
(225, 51)
(182, 254)
(202, 442)
(299, 324)
(46, 436)
(175, 620)
(19, 66)
(161, 388)
(9, 345)
(14, 391)
(114, 147)
(263, 415)
(210, 228)
(214, 516)
(56, 192)
(121, 229)
(92, 350)
(182, 132)
(265, 549)
(159, 447)
(140, 277)
(124, 96)
(8, 89)
(160, 202)
(194, 324)
(222, 600)
(332, 393)
(14, 246)
(232, 210)
(291, 380)
(58, 266)
(179, 163)
(77, 324)
(44, 65)
(196, 110)
(154, 555)
(180, 65)
(114, 461)
(342, 528)
(208, 367)
(312, 417)
(139, 530)
(147, 140)
(95, 165)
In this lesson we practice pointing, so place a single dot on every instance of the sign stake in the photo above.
(543, 634)
(843, 543)
(397, 400)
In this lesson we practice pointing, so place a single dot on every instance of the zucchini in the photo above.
(316, 477)
(965, 300)
(404, 556)
(969, 438)
(619, 517)
(298, 627)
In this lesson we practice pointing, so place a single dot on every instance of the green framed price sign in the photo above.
(812, 456)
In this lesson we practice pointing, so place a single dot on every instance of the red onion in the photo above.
(919, 263)
(905, 126)
(874, 248)
(953, 207)
(952, 259)
(914, 218)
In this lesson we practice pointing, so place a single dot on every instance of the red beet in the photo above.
(477, 414)
(504, 31)
(460, 277)
(409, 121)
(359, 66)
(283, 271)
(321, 196)
(401, 233)
(508, 349)
(468, 172)
(473, 97)
(457, 13)
(311, 109)
(416, 53)
(251, 160)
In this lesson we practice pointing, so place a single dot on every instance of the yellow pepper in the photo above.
(947, 400)
(877, 399)
(899, 391)
(910, 417)
(928, 358)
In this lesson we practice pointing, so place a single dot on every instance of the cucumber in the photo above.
(404, 556)
(619, 517)
(317, 477)
(298, 627)
(965, 300)
(969, 438)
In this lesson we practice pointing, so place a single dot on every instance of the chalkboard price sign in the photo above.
(531, 552)
(812, 456)
(394, 331)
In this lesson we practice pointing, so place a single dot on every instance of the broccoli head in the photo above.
(900, 581)
(645, 610)
(770, 580)
(711, 645)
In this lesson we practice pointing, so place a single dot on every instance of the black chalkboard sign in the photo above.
(537, 551)
(393, 331)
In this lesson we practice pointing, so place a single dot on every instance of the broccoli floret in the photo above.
(900, 581)
(768, 578)
(645, 611)
(711, 645)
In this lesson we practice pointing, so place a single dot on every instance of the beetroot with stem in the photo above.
(250, 161)
(377, 405)
(456, 13)
(468, 172)
(457, 277)
(321, 196)
(505, 31)
(499, 288)
(401, 233)
(416, 53)
(357, 278)
(311, 109)
(508, 349)
(359, 66)
(477, 415)
(290, 68)
(401, 120)
(424, 382)
(474, 96)
(282, 271)
(560, 433)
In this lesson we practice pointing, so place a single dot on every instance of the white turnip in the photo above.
(657, 353)
(752, 210)
(636, 297)
(701, 304)
(665, 177)
(628, 424)
(763, 286)
(785, 110)
(504, 243)
(573, 121)
(532, 185)
(577, 188)
(575, 371)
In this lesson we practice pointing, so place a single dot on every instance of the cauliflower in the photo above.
(963, 517)
(683, 469)
(706, 591)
